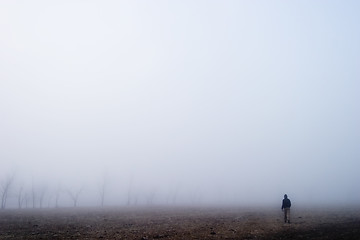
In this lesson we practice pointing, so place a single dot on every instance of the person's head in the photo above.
(285, 196)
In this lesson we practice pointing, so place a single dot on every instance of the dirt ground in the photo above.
(178, 223)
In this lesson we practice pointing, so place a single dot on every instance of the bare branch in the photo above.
(5, 188)
(75, 195)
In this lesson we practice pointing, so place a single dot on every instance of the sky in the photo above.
(210, 101)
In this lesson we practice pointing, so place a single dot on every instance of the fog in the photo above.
(179, 102)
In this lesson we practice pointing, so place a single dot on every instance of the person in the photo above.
(286, 204)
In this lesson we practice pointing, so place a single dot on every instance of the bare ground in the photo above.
(178, 223)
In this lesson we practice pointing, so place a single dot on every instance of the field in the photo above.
(178, 223)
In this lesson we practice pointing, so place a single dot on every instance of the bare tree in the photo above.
(129, 192)
(22, 197)
(57, 197)
(102, 189)
(33, 195)
(26, 198)
(75, 195)
(42, 196)
(5, 188)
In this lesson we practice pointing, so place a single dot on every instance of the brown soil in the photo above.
(177, 223)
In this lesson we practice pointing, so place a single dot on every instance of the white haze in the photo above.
(200, 101)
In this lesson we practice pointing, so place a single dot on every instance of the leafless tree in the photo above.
(102, 189)
(22, 197)
(33, 195)
(42, 196)
(26, 198)
(57, 197)
(5, 188)
(75, 195)
(129, 192)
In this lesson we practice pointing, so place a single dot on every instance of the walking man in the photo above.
(286, 204)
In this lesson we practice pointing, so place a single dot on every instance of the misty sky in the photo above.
(246, 99)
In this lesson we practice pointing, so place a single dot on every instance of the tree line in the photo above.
(41, 196)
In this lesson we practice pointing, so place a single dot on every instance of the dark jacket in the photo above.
(286, 203)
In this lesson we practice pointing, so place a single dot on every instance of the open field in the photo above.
(178, 223)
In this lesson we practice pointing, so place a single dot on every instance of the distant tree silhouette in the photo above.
(102, 190)
(22, 197)
(57, 196)
(5, 188)
(33, 194)
(129, 192)
(42, 196)
(75, 196)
